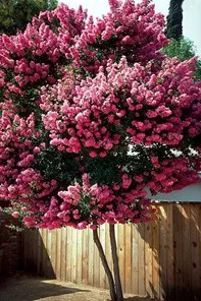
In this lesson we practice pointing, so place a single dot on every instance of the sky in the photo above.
(191, 23)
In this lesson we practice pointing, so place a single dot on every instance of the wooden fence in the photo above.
(160, 259)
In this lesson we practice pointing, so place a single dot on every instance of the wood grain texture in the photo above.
(157, 259)
(128, 258)
(85, 256)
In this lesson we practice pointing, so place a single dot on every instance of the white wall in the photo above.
(190, 193)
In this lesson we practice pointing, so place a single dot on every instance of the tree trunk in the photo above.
(115, 259)
(105, 266)
(174, 28)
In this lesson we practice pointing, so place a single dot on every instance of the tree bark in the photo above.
(115, 259)
(105, 266)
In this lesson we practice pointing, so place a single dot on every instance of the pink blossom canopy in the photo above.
(93, 116)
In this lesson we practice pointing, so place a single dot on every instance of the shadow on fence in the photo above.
(10, 245)
(175, 241)
(36, 258)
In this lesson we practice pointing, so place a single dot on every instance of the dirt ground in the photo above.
(24, 288)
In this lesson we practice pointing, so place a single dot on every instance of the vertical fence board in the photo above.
(135, 259)
(85, 256)
(91, 259)
(79, 257)
(141, 254)
(96, 265)
(58, 254)
(44, 258)
(195, 248)
(68, 254)
(25, 250)
(63, 254)
(155, 261)
(49, 253)
(39, 252)
(74, 255)
(178, 244)
(53, 249)
(186, 275)
(148, 260)
(163, 245)
(121, 252)
(102, 272)
(170, 259)
(128, 259)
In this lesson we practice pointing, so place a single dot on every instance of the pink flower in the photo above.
(15, 214)
(93, 154)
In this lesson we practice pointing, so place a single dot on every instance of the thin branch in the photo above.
(115, 259)
(105, 265)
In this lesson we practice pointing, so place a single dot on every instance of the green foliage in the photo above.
(84, 206)
(15, 14)
(60, 166)
(183, 49)
(174, 20)
(105, 171)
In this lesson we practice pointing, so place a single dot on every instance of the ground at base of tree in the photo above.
(26, 288)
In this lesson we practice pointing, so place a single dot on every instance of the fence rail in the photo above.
(160, 259)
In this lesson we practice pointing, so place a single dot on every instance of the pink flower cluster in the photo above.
(92, 205)
(130, 29)
(148, 107)
(171, 174)
(20, 185)
(33, 57)
(16, 148)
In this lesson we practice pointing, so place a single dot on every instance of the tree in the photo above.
(93, 116)
(16, 14)
(183, 49)
(174, 28)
